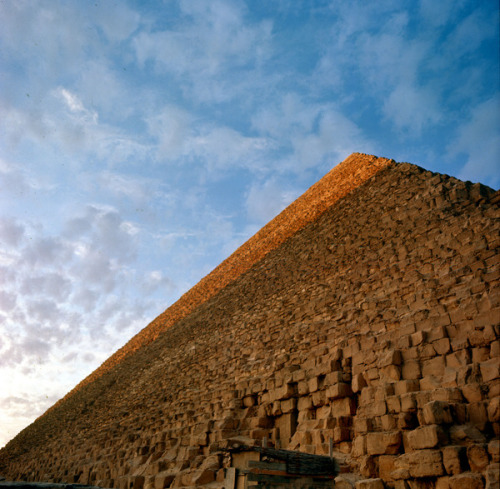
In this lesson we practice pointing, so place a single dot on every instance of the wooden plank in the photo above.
(267, 465)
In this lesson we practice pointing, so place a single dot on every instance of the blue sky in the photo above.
(142, 141)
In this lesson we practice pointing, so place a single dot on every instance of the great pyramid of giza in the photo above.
(362, 322)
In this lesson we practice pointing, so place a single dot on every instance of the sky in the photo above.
(141, 142)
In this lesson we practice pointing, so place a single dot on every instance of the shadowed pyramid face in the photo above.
(364, 317)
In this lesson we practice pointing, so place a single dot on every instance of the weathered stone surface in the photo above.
(388, 443)
(370, 484)
(425, 437)
(466, 481)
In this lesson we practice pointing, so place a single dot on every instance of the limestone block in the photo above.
(447, 394)
(478, 414)
(358, 382)
(386, 466)
(465, 435)
(338, 391)
(442, 482)
(472, 392)
(358, 446)
(370, 484)
(313, 384)
(343, 407)
(393, 404)
(318, 398)
(391, 372)
(389, 422)
(385, 443)
(407, 421)
(288, 406)
(490, 370)
(428, 436)
(163, 480)
(466, 480)
(202, 477)
(362, 425)
(304, 403)
(458, 358)
(478, 457)
(494, 450)
(405, 386)
(408, 402)
(368, 466)
(492, 476)
(341, 434)
(323, 412)
(480, 354)
(454, 459)
(417, 338)
(410, 370)
(442, 346)
(436, 412)
(423, 463)
(435, 366)
(389, 357)
(494, 410)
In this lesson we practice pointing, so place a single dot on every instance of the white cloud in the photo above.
(266, 200)
(11, 232)
(477, 138)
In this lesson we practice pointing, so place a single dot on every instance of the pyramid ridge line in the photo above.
(343, 178)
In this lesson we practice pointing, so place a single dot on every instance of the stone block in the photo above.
(466, 480)
(393, 404)
(494, 410)
(362, 425)
(391, 372)
(389, 422)
(384, 443)
(358, 446)
(389, 357)
(429, 436)
(492, 476)
(405, 386)
(490, 370)
(368, 466)
(425, 463)
(478, 414)
(436, 412)
(338, 391)
(465, 435)
(454, 459)
(472, 392)
(358, 382)
(343, 407)
(478, 457)
(407, 421)
(288, 406)
(370, 484)
(408, 402)
(410, 370)
(494, 450)
(386, 466)
(435, 366)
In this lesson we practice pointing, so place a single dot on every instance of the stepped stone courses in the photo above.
(366, 313)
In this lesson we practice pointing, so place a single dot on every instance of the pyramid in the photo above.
(362, 321)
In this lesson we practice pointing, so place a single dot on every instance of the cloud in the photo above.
(477, 138)
(266, 200)
(209, 39)
(11, 232)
